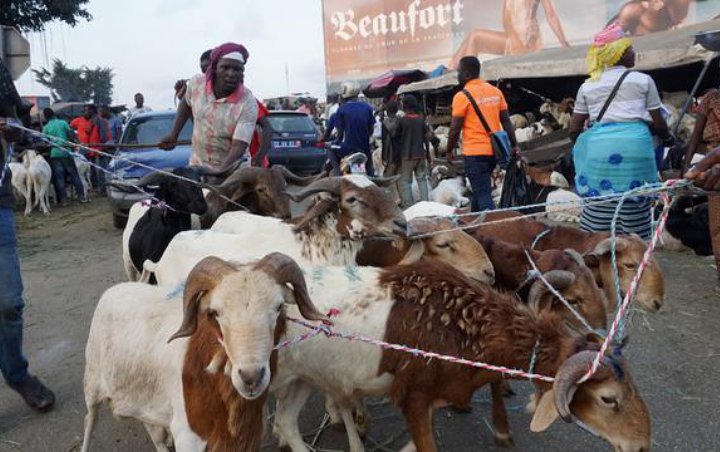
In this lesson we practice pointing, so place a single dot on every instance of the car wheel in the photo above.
(119, 221)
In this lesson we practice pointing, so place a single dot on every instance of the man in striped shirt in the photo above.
(224, 111)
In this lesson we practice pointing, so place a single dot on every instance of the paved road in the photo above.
(69, 258)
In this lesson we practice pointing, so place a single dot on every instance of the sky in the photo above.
(150, 44)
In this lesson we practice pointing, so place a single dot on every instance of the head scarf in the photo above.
(607, 49)
(229, 49)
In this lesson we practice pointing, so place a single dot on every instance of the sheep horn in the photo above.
(385, 182)
(319, 209)
(566, 381)
(238, 179)
(577, 257)
(559, 279)
(326, 185)
(126, 188)
(284, 270)
(202, 279)
(294, 179)
(153, 178)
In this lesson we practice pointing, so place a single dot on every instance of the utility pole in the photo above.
(287, 79)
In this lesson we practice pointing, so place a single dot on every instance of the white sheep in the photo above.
(19, 181)
(429, 209)
(525, 134)
(38, 181)
(564, 205)
(130, 364)
(83, 168)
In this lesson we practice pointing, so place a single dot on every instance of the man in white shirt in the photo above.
(139, 106)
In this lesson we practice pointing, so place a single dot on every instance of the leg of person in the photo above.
(714, 211)
(479, 170)
(391, 170)
(103, 163)
(369, 167)
(406, 173)
(13, 365)
(71, 169)
(421, 175)
(636, 218)
(334, 162)
(58, 179)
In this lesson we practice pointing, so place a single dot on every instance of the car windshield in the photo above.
(151, 129)
(292, 123)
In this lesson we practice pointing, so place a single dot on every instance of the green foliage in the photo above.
(77, 84)
(33, 15)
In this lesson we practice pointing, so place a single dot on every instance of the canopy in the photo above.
(388, 83)
(661, 50)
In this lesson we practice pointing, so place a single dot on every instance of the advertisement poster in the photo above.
(365, 38)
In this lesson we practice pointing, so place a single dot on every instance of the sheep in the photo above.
(149, 230)
(19, 182)
(174, 389)
(564, 205)
(448, 188)
(565, 270)
(526, 134)
(518, 121)
(429, 209)
(454, 247)
(687, 226)
(331, 232)
(83, 168)
(429, 305)
(595, 248)
(39, 175)
(259, 190)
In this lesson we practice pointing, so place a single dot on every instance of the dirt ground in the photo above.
(71, 257)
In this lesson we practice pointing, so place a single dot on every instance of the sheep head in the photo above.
(609, 403)
(630, 250)
(579, 287)
(245, 302)
(177, 193)
(363, 209)
(455, 247)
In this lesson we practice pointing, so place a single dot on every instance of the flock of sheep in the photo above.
(193, 345)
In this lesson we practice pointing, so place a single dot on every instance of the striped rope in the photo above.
(630, 295)
(422, 353)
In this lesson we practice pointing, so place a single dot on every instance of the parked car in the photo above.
(296, 142)
(146, 128)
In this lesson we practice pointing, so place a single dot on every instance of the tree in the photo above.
(33, 15)
(77, 85)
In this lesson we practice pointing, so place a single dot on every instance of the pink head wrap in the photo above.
(217, 53)
(611, 34)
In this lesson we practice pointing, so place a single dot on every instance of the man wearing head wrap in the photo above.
(616, 154)
(224, 111)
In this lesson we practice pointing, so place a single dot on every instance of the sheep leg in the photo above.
(159, 437)
(90, 417)
(418, 415)
(290, 401)
(500, 422)
(333, 410)
(356, 444)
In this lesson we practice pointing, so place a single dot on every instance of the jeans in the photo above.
(62, 167)
(13, 364)
(418, 168)
(478, 169)
(97, 177)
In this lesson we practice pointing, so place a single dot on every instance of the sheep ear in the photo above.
(545, 413)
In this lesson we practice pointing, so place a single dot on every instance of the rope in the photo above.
(533, 358)
(557, 294)
(54, 141)
(630, 295)
(420, 353)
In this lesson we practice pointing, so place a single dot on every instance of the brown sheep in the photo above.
(440, 310)
(595, 248)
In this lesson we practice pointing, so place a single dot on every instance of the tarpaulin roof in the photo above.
(388, 83)
(660, 50)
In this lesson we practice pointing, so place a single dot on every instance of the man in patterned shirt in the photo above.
(224, 111)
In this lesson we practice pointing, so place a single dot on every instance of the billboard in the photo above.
(364, 38)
